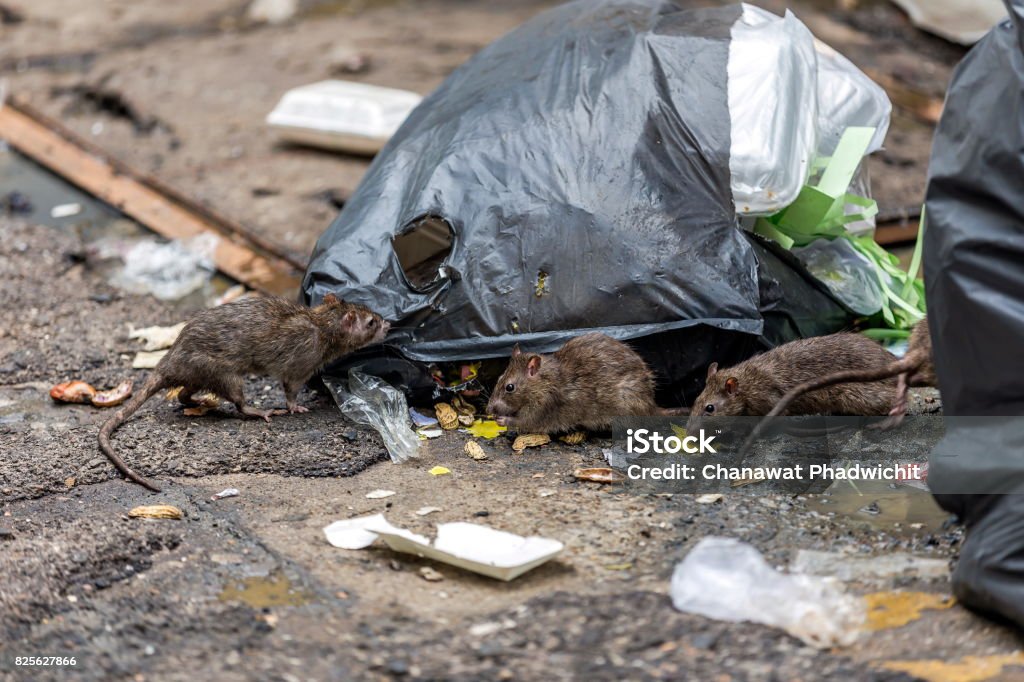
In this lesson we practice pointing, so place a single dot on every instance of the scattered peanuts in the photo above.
(156, 511)
(574, 438)
(531, 440)
(446, 416)
(474, 450)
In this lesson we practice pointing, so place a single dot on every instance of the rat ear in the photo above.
(731, 385)
(533, 365)
(348, 320)
(516, 352)
(712, 368)
(331, 299)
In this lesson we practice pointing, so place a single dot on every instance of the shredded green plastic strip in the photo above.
(819, 212)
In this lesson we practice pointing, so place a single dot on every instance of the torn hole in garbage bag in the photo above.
(423, 248)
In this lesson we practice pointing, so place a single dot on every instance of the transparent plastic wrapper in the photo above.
(168, 271)
(790, 99)
(729, 580)
(371, 401)
(845, 272)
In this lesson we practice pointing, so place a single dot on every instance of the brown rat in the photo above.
(915, 368)
(584, 384)
(755, 386)
(220, 346)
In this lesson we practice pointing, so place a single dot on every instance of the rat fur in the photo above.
(257, 335)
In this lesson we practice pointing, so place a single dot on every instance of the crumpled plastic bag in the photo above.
(168, 271)
(846, 273)
(729, 580)
(371, 401)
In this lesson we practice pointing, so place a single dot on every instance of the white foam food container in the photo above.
(473, 547)
(341, 115)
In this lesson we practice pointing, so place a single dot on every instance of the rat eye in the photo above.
(373, 323)
(709, 409)
(509, 388)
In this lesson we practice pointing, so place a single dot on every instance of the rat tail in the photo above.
(905, 364)
(673, 411)
(152, 385)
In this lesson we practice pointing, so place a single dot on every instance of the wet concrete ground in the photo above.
(248, 588)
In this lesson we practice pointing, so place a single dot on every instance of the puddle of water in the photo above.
(96, 221)
(878, 504)
(265, 591)
(46, 190)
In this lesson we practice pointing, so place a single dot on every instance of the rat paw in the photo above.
(297, 409)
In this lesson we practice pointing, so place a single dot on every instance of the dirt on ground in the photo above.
(247, 587)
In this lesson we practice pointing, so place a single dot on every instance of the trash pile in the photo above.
(682, 181)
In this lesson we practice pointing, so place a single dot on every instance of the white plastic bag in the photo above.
(729, 580)
(371, 401)
(790, 99)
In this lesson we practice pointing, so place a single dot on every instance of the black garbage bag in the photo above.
(571, 177)
(974, 275)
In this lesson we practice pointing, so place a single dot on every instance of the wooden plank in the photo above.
(923, 107)
(896, 233)
(156, 211)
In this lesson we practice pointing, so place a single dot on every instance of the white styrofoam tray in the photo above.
(352, 117)
(470, 546)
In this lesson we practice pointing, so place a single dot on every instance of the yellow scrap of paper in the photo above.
(967, 669)
(440, 471)
(486, 428)
(888, 610)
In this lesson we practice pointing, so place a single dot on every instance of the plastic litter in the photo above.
(776, 65)
(372, 401)
(729, 580)
(962, 21)
(354, 533)
(168, 271)
(156, 338)
(470, 546)
(419, 419)
(430, 433)
(440, 471)
(379, 494)
(333, 114)
(65, 210)
(227, 492)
